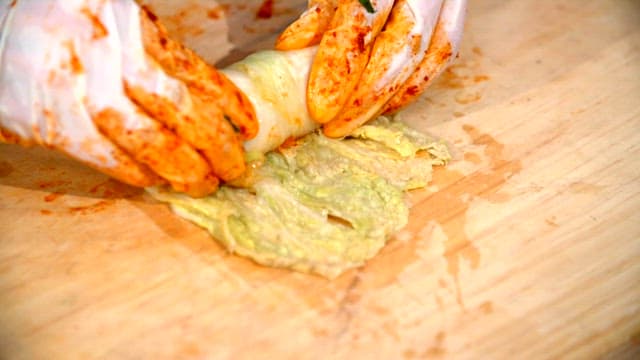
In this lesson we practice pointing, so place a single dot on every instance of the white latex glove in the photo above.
(374, 56)
(100, 81)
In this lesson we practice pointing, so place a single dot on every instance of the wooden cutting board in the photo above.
(527, 246)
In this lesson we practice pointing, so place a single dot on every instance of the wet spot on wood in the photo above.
(439, 302)
(451, 80)
(113, 189)
(437, 349)
(580, 187)
(450, 204)
(51, 184)
(51, 197)
(480, 78)
(486, 307)
(464, 72)
(320, 332)
(463, 81)
(409, 354)
(190, 350)
(379, 310)
(472, 157)
(465, 98)
(92, 208)
(551, 221)
(5, 169)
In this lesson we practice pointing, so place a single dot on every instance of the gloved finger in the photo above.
(308, 29)
(396, 53)
(119, 119)
(200, 124)
(342, 56)
(187, 111)
(65, 91)
(107, 158)
(82, 141)
(442, 50)
(102, 155)
(183, 64)
(159, 149)
(43, 79)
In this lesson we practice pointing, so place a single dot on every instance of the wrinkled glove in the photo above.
(100, 81)
(374, 57)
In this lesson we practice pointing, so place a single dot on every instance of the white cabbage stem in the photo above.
(275, 82)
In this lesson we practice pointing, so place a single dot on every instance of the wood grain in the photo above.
(527, 246)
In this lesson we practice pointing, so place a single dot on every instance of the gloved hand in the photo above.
(375, 56)
(100, 81)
